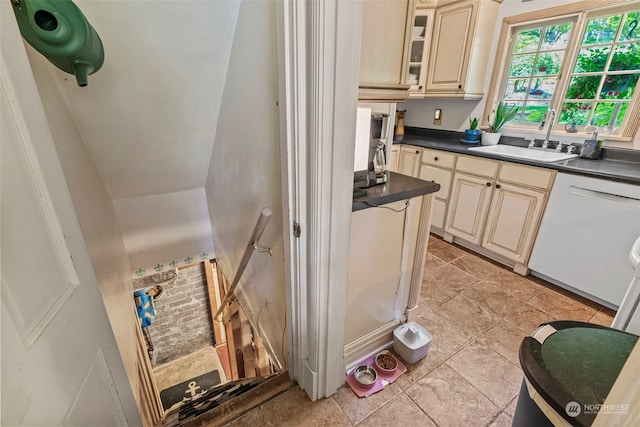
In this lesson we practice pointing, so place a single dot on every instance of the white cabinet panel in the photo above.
(440, 176)
(512, 221)
(439, 213)
(470, 198)
(409, 163)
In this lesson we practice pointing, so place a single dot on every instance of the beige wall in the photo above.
(244, 175)
(97, 218)
(456, 113)
(165, 228)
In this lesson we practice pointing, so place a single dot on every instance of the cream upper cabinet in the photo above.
(409, 161)
(421, 31)
(386, 29)
(459, 56)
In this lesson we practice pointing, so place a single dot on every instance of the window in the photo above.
(536, 59)
(585, 66)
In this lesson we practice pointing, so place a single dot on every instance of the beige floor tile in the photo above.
(528, 318)
(294, 408)
(401, 411)
(503, 420)
(603, 317)
(448, 338)
(432, 262)
(477, 266)
(487, 371)
(433, 293)
(445, 251)
(505, 339)
(560, 306)
(451, 276)
(467, 315)
(493, 298)
(510, 409)
(418, 370)
(516, 285)
(254, 417)
(358, 408)
(450, 400)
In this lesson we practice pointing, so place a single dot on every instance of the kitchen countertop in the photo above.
(617, 164)
(398, 187)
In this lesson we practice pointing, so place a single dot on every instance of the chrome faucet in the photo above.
(550, 113)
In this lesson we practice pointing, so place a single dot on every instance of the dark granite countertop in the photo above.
(616, 164)
(398, 187)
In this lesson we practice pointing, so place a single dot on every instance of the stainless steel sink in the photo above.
(511, 151)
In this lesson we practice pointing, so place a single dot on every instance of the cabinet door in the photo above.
(513, 220)
(383, 51)
(419, 51)
(409, 163)
(450, 48)
(440, 176)
(394, 164)
(468, 206)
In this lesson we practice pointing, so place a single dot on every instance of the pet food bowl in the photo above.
(365, 375)
(386, 363)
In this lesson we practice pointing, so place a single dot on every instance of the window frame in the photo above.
(581, 12)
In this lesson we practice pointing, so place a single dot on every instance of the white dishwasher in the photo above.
(585, 235)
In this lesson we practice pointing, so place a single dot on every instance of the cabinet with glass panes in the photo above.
(419, 51)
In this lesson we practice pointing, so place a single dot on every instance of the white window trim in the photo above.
(584, 10)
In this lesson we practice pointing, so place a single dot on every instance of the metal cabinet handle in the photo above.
(497, 185)
(488, 184)
(459, 86)
(417, 151)
(435, 158)
(420, 87)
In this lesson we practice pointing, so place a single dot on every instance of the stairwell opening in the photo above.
(200, 363)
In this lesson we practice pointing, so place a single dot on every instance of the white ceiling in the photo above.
(148, 116)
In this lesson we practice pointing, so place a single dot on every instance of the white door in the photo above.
(59, 356)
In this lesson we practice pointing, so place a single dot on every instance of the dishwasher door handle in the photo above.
(610, 197)
(634, 255)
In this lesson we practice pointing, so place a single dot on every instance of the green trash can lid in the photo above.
(569, 361)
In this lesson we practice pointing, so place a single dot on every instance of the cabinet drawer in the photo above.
(438, 158)
(477, 166)
(526, 175)
(440, 176)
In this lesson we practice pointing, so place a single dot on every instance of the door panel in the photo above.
(440, 176)
(468, 207)
(409, 163)
(58, 349)
(512, 221)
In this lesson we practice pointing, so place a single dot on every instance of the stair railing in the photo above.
(261, 224)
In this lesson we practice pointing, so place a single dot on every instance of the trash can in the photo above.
(569, 368)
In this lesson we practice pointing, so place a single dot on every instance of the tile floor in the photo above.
(478, 312)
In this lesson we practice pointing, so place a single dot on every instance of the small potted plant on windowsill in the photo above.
(472, 135)
(504, 113)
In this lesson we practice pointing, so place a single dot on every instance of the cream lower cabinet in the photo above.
(512, 221)
(468, 207)
(437, 166)
(409, 160)
(498, 206)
